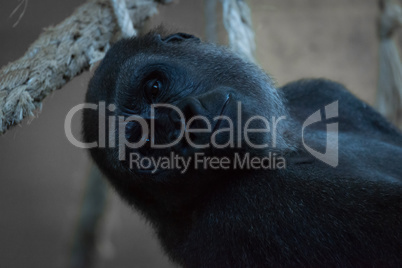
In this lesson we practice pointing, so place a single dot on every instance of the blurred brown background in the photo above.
(42, 176)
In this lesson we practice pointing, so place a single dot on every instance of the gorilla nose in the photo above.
(191, 114)
(198, 113)
(207, 105)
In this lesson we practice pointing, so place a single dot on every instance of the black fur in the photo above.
(308, 214)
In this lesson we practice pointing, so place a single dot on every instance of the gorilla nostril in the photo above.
(227, 100)
(176, 120)
(178, 124)
(193, 137)
(189, 108)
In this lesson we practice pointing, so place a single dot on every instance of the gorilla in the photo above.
(231, 171)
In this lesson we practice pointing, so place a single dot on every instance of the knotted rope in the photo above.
(64, 51)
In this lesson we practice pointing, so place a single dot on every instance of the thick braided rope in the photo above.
(62, 52)
(238, 24)
(123, 18)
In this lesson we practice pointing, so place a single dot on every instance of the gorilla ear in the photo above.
(179, 37)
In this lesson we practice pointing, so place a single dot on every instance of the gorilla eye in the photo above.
(152, 89)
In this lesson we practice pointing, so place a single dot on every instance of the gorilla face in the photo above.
(178, 95)
(198, 98)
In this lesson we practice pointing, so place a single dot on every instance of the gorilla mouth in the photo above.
(182, 148)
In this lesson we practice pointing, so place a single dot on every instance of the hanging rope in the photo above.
(211, 20)
(238, 24)
(389, 93)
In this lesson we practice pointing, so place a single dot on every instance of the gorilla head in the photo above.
(197, 97)
(175, 115)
